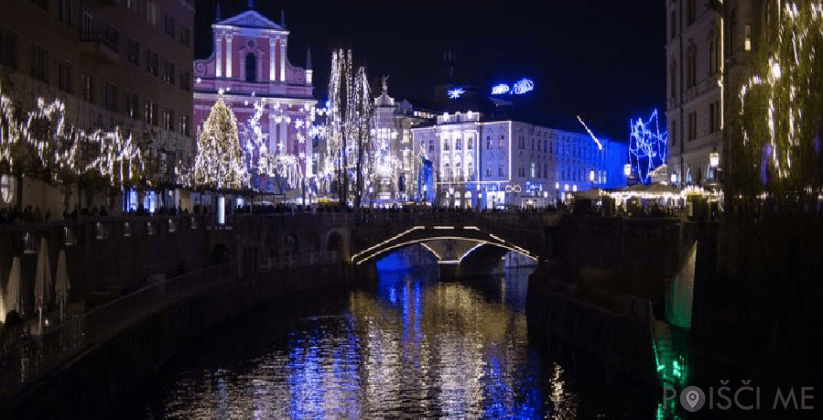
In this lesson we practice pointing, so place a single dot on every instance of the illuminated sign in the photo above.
(500, 89)
(522, 86)
(456, 93)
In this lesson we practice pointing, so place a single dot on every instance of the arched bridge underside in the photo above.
(451, 244)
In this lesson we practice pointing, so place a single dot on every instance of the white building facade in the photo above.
(707, 49)
(494, 164)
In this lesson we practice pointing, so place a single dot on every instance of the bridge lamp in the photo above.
(627, 169)
(591, 176)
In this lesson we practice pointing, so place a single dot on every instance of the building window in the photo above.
(458, 144)
(733, 32)
(132, 105)
(251, 67)
(692, 130)
(500, 143)
(488, 142)
(185, 36)
(672, 79)
(168, 119)
(185, 80)
(673, 25)
(43, 4)
(151, 12)
(674, 133)
(446, 144)
(65, 12)
(488, 171)
(747, 30)
(431, 146)
(532, 170)
(39, 63)
(691, 66)
(8, 48)
(712, 64)
(545, 171)
(64, 79)
(133, 51)
(170, 25)
(185, 125)
(110, 95)
(151, 113)
(88, 87)
(711, 118)
(168, 75)
(151, 62)
(470, 144)
(690, 11)
(132, 6)
(500, 171)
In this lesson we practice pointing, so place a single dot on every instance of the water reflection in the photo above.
(410, 347)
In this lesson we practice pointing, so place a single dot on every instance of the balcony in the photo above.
(102, 44)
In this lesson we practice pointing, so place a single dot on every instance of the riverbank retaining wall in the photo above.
(92, 383)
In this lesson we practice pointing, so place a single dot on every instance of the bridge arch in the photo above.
(428, 236)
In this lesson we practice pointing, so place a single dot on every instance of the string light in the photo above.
(784, 85)
(599, 145)
(647, 146)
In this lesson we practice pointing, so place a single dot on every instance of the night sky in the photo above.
(601, 59)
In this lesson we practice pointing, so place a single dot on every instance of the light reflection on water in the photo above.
(414, 347)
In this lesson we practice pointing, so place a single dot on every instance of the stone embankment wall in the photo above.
(91, 384)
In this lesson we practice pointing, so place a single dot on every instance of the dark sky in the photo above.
(601, 59)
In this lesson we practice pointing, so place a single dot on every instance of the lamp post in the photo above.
(627, 171)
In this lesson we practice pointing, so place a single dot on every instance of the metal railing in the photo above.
(34, 355)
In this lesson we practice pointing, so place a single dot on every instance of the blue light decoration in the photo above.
(647, 146)
(456, 93)
(522, 86)
(500, 89)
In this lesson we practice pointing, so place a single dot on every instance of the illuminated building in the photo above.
(497, 161)
(397, 179)
(124, 64)
(250, 64)
(708, 44)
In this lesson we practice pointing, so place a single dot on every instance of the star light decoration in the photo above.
(647, 146)
(456, 93)
(261, 161)
(781, 103)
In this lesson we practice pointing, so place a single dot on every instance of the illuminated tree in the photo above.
(219, 164)
(774, 144)
(349, 126)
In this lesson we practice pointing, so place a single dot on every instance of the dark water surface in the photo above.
(410, 347)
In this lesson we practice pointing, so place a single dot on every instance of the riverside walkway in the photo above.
(34, 356)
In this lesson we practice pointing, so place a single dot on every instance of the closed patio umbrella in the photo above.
(61, 282)
(13, 287)
(42, 280)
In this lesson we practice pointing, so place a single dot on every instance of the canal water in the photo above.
(411, 346)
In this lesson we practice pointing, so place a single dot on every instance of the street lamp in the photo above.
(591, 176)
(714, 158)
(627, 169)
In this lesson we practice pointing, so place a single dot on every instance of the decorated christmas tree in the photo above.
(219, 164)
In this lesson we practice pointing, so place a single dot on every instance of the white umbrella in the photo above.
(13, 288)
(42, 279)
(62, 284)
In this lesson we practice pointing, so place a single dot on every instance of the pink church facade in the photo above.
(250, 64)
